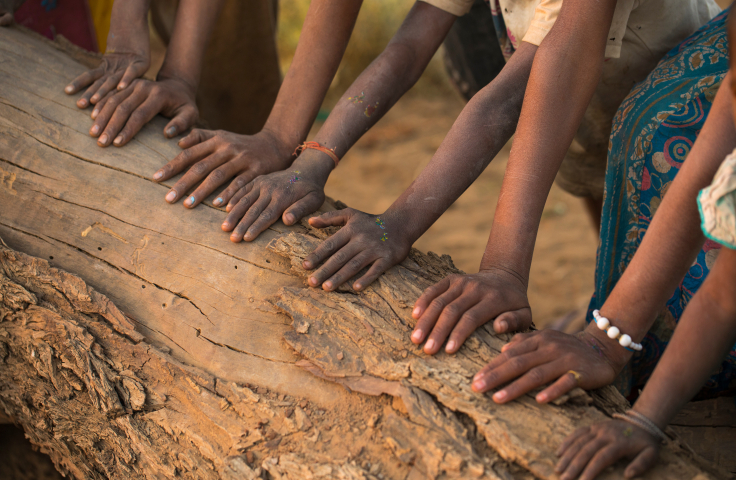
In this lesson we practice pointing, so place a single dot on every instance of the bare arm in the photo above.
(370, 96)
(221, 156)
(481, 130)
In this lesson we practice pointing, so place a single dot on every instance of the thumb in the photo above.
(6, 19)
(299, 209)
(643, 462)
(133, 71)
(182, 122)
(332, 219)
(513, 321)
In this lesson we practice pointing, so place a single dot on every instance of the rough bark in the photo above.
(181, 353)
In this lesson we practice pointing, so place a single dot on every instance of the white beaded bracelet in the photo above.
(614, 333)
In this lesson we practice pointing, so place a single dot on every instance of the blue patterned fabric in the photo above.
(653, 131)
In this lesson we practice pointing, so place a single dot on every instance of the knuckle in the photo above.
(536, 375)
(516, 363)
(199, 168)
(339, 257)
(452, 310)
(217, 176)
(328, 246)
(438, 304)
(355, 264)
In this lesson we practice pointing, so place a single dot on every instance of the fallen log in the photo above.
(170, 351)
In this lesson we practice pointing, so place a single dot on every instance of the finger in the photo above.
(202, 170)
(379, 266)
(235, 191)
(133, 71)
(195, 137)
(325, 250)
(83, 101)
(534, 376)
(243, 191)
(107, 111)
(517, 349)
(83, 80)
(584, 455)
(358, 262)
(432, 314)
(6, 19)
(185, 158)
(643, 462)
(124, 112)
(220, 171)
(573, 449)
(428, 295)
(239, 209)
(332, 218)
(182, 122)
(447, 321)
(564, 384)
(251, 215)
(137, 120)
(570, 440)
(100, 105)
(513, 321)
(345, 251)
(107, 86)
(602, 458)
(473, 318)
(510, 369)
(299, 209)
(519, 337)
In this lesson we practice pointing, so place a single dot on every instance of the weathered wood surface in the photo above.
(186, 354)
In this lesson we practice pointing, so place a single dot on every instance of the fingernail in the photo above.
(118, 140)
(313, 281)
(82, 102)
(69, 89)
(104, 138)
(477, 376)
(327, 285)
(417, 335)
(158, 175)
(225, 226)
(289, 218)
(121, 85)
(94, 98)
(307, 265)
(479, 384)
(429, 345)
(171, 196)
(217, 201)
(94, 114)
(450, 346)
(541, 398)
(500, 396)
(228, 208)
(416, 312)
(171, 131)
(189, 201)
(357, 286)
(502, 326)
(94, 130)
(234, 237)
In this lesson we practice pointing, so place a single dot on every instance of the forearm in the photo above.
(482, 129)
(376, 90)
(674, 238)
(128, 21)
(325, 35)
(566, 71)
(194, 23)
(704, 335)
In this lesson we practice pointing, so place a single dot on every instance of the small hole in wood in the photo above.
(99, 248)
(236, 267)
(51, 258)
(143, 286)
(268, 261)
(163, 305)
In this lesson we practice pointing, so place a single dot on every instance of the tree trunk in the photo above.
(185, 354)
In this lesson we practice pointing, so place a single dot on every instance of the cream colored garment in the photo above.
(717, 204)
(455, 7)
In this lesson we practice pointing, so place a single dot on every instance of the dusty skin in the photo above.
(175, 350)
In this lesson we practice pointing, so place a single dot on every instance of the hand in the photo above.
(293, 193)
(218, 156)
(537, 358)
(116, 71)
(459, 304)
(120, 115)
(364, 240)
(599, 446)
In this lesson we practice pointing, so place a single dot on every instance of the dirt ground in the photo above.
(386, 160)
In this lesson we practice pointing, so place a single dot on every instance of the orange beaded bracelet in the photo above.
(317, 146)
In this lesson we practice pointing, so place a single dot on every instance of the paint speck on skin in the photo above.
(429, 198)
(357, 99)
(370, 110)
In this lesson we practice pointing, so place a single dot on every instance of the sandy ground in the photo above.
(386, 160)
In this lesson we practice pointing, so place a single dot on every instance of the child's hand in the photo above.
(532, 360)
(7, 8)
(459, 304)
(218, 156)
(120, 115)
(364, 240)
(116, 72)
(592, 449)
(259, 204)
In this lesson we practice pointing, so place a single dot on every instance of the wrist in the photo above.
(314, 165)
(173, 75)
(282, 144)
(616, 355)
(401, 222)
